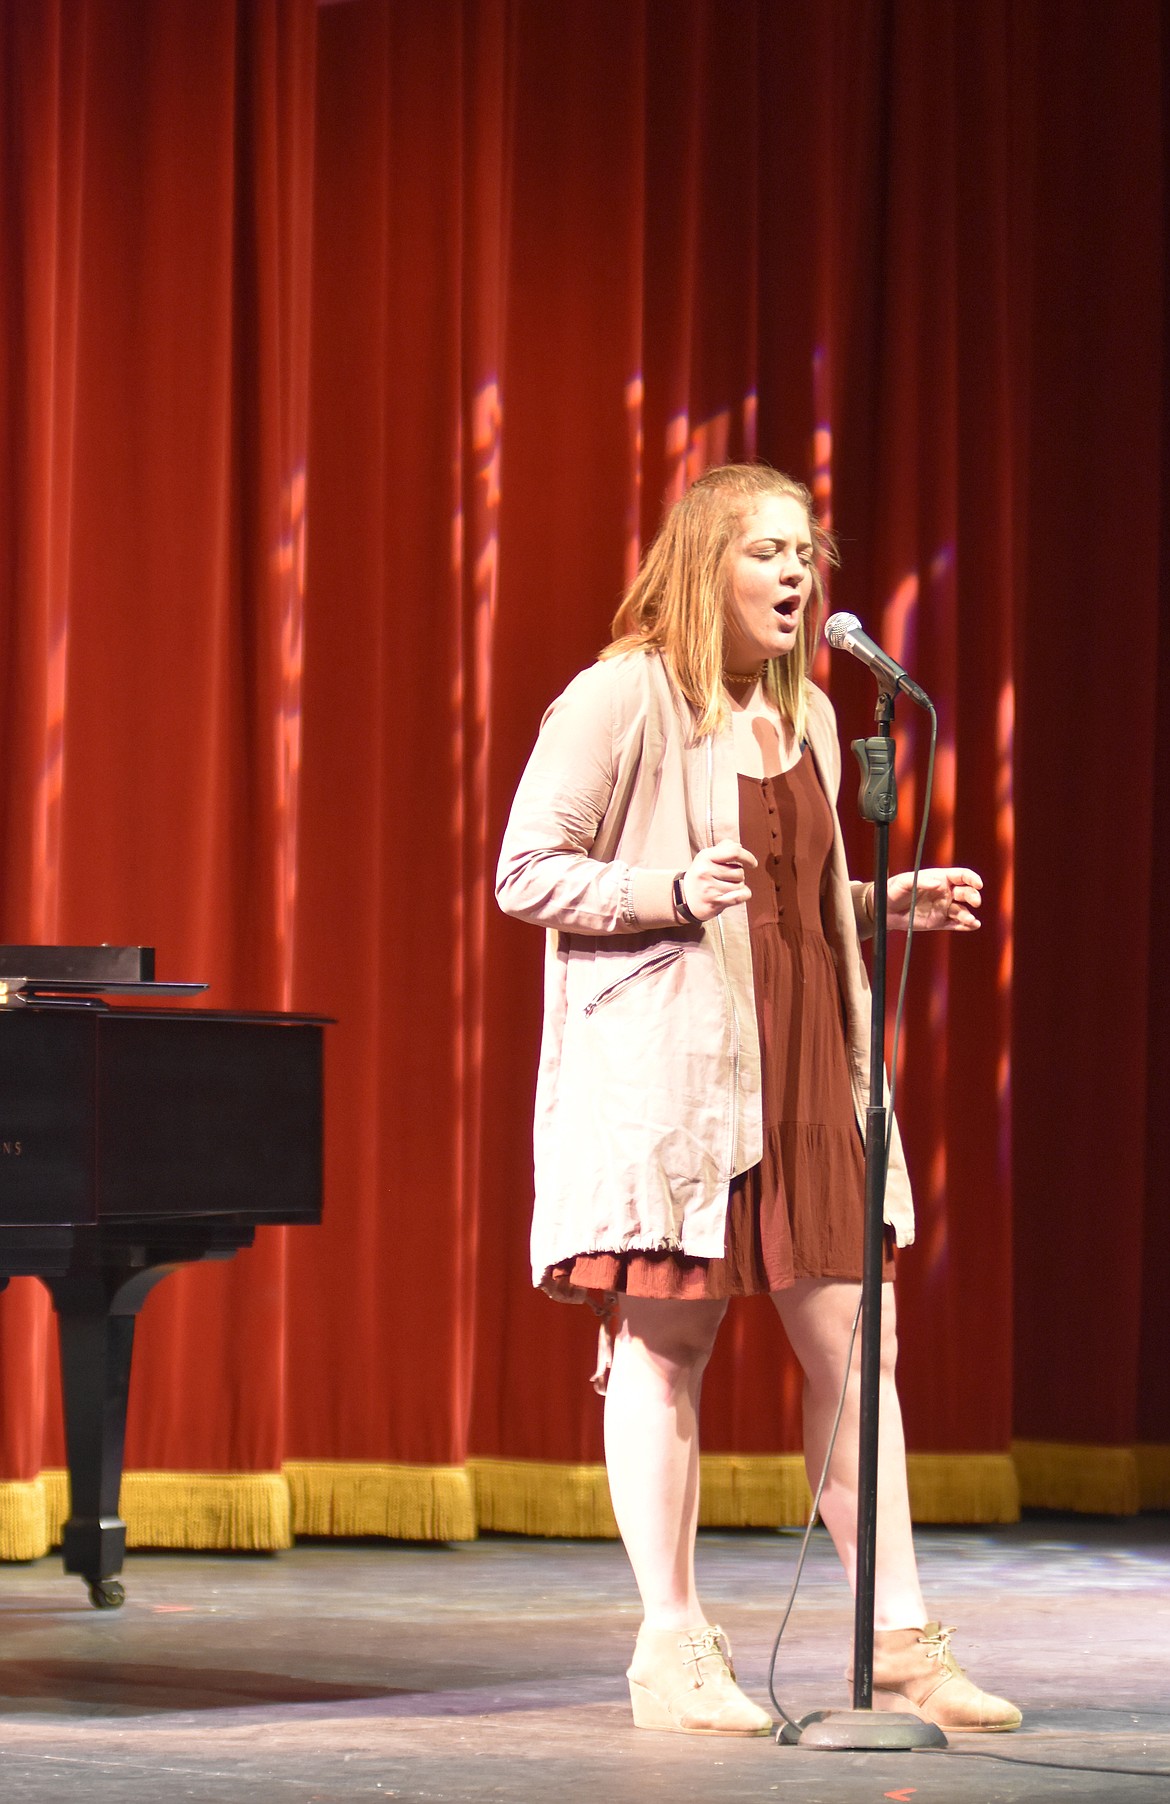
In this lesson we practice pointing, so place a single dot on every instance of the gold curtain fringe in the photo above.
(1153, 1471)
(537, 1497)
(24, 1532)
(403, 1503)
(55, 1483)
(736, 1491)
(161, 1509)
(762, 1490)
(1098, 1481)
(248, 1510)
(265, 1510)
(963, 1487)
(261, 1511)
(1105, 1481)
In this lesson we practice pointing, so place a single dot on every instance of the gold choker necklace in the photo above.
(743, 676)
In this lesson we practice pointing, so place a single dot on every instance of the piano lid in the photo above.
(16, 992)
(81, 975)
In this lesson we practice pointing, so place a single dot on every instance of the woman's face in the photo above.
(769, 581)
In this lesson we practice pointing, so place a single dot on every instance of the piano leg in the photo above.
(96, 1312)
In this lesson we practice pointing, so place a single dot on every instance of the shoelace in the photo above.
(938, 1647)
(704, 1642)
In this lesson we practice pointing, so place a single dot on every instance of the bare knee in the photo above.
(675, 1336)
(819, 1316)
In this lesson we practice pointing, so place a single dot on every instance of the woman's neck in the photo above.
(765, 743)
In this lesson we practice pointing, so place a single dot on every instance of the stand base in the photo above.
(861, 1729)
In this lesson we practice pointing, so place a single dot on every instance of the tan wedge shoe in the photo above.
(915, 1669)
(682, 1680)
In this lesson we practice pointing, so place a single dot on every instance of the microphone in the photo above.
(844, 633)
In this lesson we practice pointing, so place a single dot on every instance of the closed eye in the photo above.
(769, 548)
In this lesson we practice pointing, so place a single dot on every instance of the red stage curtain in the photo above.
(157, 197)
(347, 357)
(1091, 1056)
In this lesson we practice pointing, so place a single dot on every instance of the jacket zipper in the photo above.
(666, 957)
(731, 1113)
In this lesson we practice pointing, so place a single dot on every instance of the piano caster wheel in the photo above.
(107, 1594)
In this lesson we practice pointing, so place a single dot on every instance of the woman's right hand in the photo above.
(714, 879)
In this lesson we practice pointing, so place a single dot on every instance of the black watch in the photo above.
(680, 903)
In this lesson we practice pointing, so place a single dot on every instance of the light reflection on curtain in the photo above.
(348, 357)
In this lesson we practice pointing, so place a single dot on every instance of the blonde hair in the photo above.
(676, 603)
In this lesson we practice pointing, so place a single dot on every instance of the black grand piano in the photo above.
(134, 1139)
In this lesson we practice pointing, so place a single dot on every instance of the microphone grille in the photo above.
(838, 628)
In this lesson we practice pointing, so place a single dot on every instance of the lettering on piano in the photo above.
(11, 1149)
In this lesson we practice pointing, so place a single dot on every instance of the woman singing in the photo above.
(705, 1066)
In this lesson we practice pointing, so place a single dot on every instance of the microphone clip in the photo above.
(877, 798)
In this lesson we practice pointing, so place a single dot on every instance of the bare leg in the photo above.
(652, 1448)
(817, 1315)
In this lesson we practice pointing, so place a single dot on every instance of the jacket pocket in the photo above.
(656, 962)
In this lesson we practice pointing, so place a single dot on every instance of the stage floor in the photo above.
(494, 1669)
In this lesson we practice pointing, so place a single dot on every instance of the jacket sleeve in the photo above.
(546, 873)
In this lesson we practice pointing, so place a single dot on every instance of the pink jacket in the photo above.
(648, 1090)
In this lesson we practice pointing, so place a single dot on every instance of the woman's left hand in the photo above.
(946, 898)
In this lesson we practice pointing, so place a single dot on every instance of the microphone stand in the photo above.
(863, 1727)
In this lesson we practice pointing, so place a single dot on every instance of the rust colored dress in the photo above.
(800, 1212)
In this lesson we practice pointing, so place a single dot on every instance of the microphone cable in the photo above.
(893, 1084)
